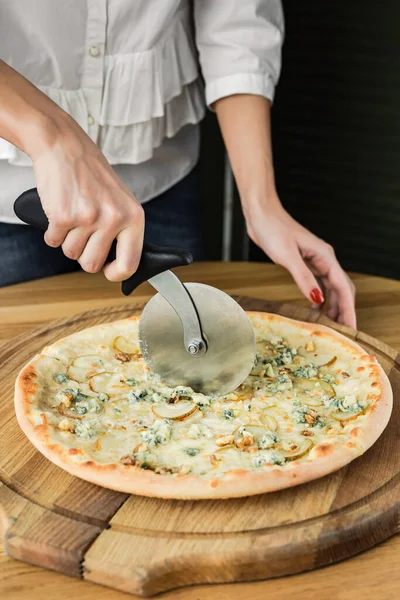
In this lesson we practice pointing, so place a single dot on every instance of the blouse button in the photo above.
(90, 120)
(94, 51)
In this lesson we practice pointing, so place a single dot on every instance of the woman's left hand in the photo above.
(311, 261)
(245, 123)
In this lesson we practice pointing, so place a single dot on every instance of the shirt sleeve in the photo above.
(239, 44)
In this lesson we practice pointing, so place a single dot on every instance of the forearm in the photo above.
(28, 118)
(245, 125)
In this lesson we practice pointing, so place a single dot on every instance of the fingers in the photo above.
(88, 233)
(75, 242)
(305, 280)
(321, 287)
(129, 251)
(56, 234)
(345, 292)
(333, 310)
(307, 258)
(91, 251)
(95, 251)
(323, 262)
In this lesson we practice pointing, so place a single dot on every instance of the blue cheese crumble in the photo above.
(306, 372)
(60, 378)
(281, 383)
(285, 355)
(88, 405)
(192, 451)
(299, 414)
(159, 433)
(197, 431)
(136, 396)
(228, 414)
(262, 458)
(85, 429)
(347, 404)
(267, 441)
(69, 395)
(201, 400)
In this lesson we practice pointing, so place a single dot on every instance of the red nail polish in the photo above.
(316, 296)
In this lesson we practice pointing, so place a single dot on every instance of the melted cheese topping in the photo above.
(99, 396)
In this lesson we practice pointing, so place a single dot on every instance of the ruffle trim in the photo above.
(147, 97)
(133, 144)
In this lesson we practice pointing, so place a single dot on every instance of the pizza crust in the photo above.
(323, 459)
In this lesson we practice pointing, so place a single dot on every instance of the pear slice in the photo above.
(343, 417)
(312, 391)
(65, 412)
(330, 362)
(84, 367)
(239, 415)
(300, 449)
(264, 349)
(122, 344)
(108, 383)
(225, 448)
(177, 411)
(318, 359)
(245, 396)
(54, 368)
(257, 431)
(242, 416)
(268, 420)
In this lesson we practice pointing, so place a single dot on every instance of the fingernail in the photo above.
(316, 296)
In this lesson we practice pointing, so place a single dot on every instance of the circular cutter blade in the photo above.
(227, 329)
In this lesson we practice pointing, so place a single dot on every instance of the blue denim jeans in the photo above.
(174, 218)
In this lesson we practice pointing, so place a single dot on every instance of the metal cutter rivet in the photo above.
(194, 347)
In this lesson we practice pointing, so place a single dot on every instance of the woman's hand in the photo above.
(311, 261)
(88, 206)
(245, 124)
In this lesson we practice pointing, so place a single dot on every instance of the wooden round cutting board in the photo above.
(146, 546)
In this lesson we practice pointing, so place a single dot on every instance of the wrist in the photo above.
(258, 202)
(256, 183)
(44, 132)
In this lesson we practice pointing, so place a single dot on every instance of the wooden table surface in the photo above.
(373, 574)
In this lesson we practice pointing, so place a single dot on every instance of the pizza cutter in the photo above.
(190, 334)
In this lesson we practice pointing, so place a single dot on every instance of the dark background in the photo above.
(336, 135)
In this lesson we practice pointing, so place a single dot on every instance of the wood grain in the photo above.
(39, 536)
(127, 522)
(264, 536)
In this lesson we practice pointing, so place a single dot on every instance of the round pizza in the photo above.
(313, 402)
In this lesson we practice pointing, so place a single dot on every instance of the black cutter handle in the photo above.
(154, 260)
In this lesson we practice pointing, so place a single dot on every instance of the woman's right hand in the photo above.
(87, 205)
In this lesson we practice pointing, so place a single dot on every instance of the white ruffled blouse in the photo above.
(128, 72)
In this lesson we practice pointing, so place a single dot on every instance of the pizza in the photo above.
(313, 402)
